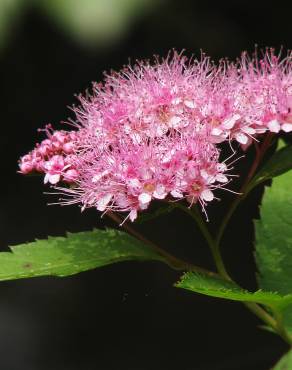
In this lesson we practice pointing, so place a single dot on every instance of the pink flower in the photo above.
(53, 169)
(129, 176)
(151, 131)
(52, 157)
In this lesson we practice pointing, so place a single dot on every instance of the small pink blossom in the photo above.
(53, 169)
(52, 157)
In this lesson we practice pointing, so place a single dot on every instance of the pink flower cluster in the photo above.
(152, 131)
(128, 176)
(53, 156)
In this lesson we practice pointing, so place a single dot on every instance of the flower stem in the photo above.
(260, 152)
(194, 213)
(255, 308)
(280, 328)
(172, 261)
(275, 324)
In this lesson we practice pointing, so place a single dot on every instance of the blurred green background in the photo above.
(92, 23)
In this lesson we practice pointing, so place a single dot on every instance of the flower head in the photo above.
(151, 131)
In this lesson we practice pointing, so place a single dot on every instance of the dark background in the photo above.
(128, 315)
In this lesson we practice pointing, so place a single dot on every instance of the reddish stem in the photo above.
(173, 261)
(260, 152)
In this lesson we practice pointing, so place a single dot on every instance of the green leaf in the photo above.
(279, 163)
(62, 256)
(274, 242)
(285, 362)
(274, 236)
(214, 286)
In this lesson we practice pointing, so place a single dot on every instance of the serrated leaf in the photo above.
(274, 241)
(216, 287)
(285, 362)
(62, 256)
(279, 163)
(274, 236)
